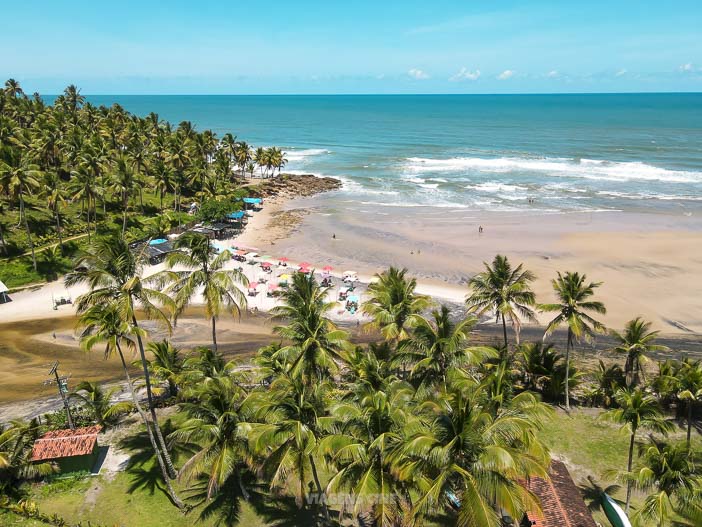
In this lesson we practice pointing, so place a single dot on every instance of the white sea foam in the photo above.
(294, 155)
(495, 186)
(595, 169)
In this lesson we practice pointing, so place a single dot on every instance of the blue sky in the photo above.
(433, 46)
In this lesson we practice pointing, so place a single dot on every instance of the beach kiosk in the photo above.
(4, 297)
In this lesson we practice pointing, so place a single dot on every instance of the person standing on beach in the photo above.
(480, 229)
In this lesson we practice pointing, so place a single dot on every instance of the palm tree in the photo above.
(574, 302)
(393, 304)
(316, 344)
(16, 441)
(287, 440)
(167, 364)
(204, 270)
(217, 424)
(505, 292)
(55, 199)
(365, 444)
(99, 402)
(672, 471)
(113, 275)
(689, 388)
(636, 341)
(19, 180)
(123, 184)
(636, 410)
(474, 458)
(439, 344)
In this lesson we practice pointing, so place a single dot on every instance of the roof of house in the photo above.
(65, 443)
(562, 504)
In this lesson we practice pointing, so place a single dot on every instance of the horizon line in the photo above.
(374, 94)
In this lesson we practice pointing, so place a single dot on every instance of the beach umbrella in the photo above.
(305, 265)
(266, 264)
(253, 285)
(285, 277)
(327, 268)
(282, 259)
(272, 287)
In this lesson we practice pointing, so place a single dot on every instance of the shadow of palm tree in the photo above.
(592, 494)
(225, 507)
(141, 452)
(146, 479)
(284, 512)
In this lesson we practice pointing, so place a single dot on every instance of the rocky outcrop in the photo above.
(297, 185)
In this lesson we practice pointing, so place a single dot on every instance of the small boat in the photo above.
(614, 512)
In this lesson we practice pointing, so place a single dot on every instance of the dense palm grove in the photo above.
(421, 426)
(71, 170)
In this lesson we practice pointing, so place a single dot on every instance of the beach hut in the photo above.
(71, 450)
(205, 231)
(253, 202)
(4, 297)
(157, 253)
(236, 216)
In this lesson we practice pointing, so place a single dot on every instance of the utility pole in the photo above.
(62, 383)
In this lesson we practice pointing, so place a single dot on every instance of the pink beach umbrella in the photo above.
(253, 286)
(327, 268)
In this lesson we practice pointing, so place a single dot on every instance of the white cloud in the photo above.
(505, 75)
(553, 74)
(687, 67)
(465, 75)
(418, 74)
(621, 72)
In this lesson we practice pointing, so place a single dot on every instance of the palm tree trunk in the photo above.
(2, 240)
(174, 497)
(689, 421)
(567, 371)
(319, 488)
(58, 230)
(214, 332)
(147, 378)
(631, 459)
(124, 214)
(504, 330)
(23, 215)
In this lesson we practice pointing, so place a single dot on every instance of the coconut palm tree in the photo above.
(636, 411)
(123, 184)
(55, 200)
(217, 424)
(393, 304)
(574, 302)
(287, 438)
(167, 364)
(364, 446)
(204, 272)
(438, 344)
(503, 291)
(16, 441)
(316, 344)
(475, 459)
(671, 470)
(688, 386)
(112, 273)
(19, 179)
(98, 401)
(636, 342)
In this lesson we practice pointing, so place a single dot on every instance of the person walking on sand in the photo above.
(480, 229)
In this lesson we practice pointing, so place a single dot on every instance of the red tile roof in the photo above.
(561, 502)
(65, 443)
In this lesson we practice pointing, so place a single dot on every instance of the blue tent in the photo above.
(236, 215)
(253, 201)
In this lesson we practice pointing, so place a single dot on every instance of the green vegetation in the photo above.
(73, 171)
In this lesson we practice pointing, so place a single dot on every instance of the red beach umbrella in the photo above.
(327, 268)
(283, 259)
(306, 264)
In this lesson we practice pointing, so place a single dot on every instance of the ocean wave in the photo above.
(293, 155)
(495, 186)
(595, 169)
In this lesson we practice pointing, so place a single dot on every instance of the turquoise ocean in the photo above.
(624, 152)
